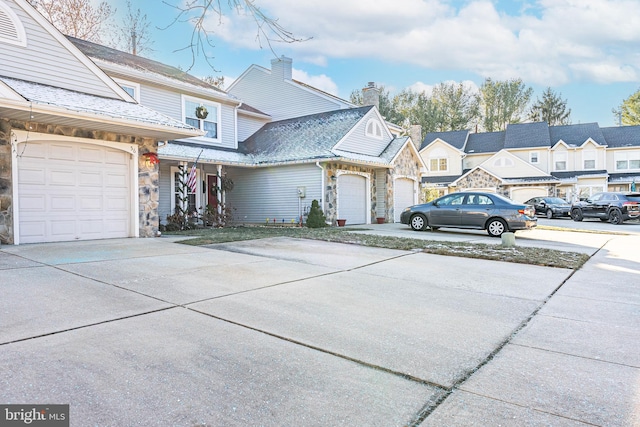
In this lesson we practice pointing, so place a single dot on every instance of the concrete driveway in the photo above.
(286, 332)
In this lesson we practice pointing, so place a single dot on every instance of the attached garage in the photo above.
(353, 198)
(68, 190)
(404, 194)
(521, 195)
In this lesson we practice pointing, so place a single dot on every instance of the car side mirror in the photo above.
(543, 203)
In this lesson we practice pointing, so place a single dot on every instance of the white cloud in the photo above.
(321, 82)
(545, 42)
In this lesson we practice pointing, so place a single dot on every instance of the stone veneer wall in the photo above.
(482, 179)
(406, 166)
(331, 189)
(148, 178)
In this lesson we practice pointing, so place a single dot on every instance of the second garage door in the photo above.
(73, 191)
(352, 198)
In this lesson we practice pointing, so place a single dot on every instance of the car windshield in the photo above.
(556, 201)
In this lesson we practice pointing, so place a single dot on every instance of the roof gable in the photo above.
(369, 136)
(47, 57)
(576, 135)
(456, 139)
(507, 165)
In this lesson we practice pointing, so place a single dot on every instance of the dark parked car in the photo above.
(550, 207)
(608, 206)
(484, 211)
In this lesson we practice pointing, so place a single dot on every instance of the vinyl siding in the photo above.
(358, 142)
(264, 193)
(164, 204)
(381, 192)
(169, 103)
(247, 126)
(47, 61)
(279, 98)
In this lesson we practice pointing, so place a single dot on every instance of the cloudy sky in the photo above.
(588, 51)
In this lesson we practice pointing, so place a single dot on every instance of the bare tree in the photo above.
(195, 12)
(217, 81)
(76, 18)
(133, 34)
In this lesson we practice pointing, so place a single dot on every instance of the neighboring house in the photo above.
(76, 150)
(534, 159)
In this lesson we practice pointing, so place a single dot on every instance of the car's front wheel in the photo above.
(549, 213)
(576, 215)
(615, 216)
(496, 227)
(418, 222)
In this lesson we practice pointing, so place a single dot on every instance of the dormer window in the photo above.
(203, 115)
(374, 129)
(11, 29)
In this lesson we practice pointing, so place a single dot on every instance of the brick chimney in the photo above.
(371, 95)
(281, 68)
(415, 132)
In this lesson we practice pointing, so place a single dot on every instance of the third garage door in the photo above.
(403, 196)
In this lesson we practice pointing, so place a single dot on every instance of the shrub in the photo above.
(316, 218)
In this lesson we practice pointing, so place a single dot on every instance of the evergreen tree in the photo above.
(551, 109)
(316, 218)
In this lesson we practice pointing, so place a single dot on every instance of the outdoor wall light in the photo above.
(150, 159)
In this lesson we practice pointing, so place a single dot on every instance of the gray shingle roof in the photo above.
(115, 56)
(576, 135)
(489, 142)
(302, 138)
(622, 136)
(526, 135)
(86, 103)
(572, 174)
(456, 138)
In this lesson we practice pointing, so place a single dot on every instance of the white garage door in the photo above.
(521, 195)
(352, 199)
(71, 191)
(403, 196)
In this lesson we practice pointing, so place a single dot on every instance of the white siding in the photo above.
(264, 193)
(279, 98)
(47, 61)
(358, 142)
(166, 192)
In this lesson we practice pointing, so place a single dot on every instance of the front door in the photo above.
(212, 191)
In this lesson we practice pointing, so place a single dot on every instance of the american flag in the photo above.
(191, 179)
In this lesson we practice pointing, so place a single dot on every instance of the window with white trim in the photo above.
(589, 159)
(11, 29)
(373, 129)
(627, 160)
(534, 157)
(203, 115)
(133, 89)
(560, 161)
(439, 164)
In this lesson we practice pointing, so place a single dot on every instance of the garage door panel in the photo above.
(115, 157)
(73, 193)
(32, 176)
(90, 178)
(61, 177)
(34, 203)
(90, 154)
(32, 150)
(62, 203)
(64, 152)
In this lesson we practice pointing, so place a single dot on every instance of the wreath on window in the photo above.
(201, 112)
